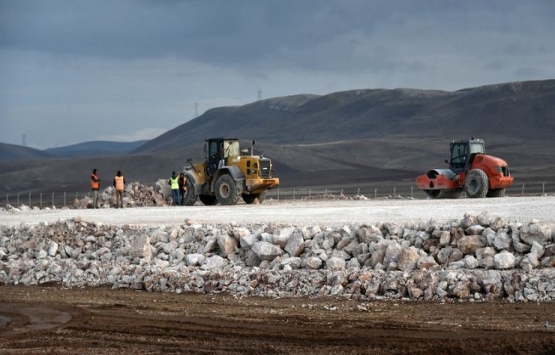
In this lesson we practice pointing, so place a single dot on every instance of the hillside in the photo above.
(11, 152)
(362, 138)
(94, 149)
(499, 113)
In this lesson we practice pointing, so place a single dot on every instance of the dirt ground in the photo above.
(52, 320)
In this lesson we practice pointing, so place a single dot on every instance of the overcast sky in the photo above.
(74, 71)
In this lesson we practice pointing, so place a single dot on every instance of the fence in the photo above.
(402, 190)
(40, 199)
(397, 191)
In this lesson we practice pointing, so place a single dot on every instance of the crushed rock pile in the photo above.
(476, 258)
(134, 195)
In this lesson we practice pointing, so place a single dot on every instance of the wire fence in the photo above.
(66, 198)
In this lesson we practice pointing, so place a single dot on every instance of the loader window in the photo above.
(231, 149)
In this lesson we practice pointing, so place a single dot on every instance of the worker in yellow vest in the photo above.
(174, 183)
(119, 184)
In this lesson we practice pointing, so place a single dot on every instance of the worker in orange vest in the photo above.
(95, 186)
(119, 184)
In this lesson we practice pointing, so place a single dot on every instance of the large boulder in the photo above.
(535, 232)
(470, 243)
(266, 251)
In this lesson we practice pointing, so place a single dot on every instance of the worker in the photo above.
(119, 184)
(174, 183)
(95, 186)
(182, 187)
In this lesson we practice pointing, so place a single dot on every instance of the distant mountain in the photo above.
(94, 149)
(11, 152)
(499, 113)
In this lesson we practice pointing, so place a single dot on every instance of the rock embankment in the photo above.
(134, 195)
(475, 258)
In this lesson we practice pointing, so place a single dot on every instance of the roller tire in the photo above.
(226, 190)
(440, 194)
(476, 184)
(496, 193)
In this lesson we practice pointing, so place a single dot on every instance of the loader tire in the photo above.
(250, 198)
(208, 200)
(496, 193)
(226, 190)
(190, 197)
(476, 184)
(262, 197)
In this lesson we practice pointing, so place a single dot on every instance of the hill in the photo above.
(11, 152)
(499, 113)
(94, 149)
(362, 138)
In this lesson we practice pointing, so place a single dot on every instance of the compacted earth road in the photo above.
(50, 319)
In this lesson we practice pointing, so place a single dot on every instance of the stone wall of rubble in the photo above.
(134, 195)
(473, 259)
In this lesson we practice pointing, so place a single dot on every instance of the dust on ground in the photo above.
(50, 319)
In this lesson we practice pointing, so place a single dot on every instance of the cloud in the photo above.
(78, 70)
(139, 135)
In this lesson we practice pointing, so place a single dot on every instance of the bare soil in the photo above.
(52, 320)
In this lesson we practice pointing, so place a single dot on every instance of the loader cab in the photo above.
(463, 152)
(217, 151)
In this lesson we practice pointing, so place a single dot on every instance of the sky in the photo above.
(73, 71)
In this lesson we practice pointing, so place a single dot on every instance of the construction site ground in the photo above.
(53, 320)
(50, 319)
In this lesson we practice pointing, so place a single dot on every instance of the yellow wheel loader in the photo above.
(228, 174)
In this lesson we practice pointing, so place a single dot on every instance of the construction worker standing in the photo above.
(95, 186)
(182, 187)
(119, 184)
(174, 183)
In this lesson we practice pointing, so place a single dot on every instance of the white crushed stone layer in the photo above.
(321, 212)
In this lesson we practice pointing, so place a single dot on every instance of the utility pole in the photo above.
(196, 109)
(259, 94)
(23, 143)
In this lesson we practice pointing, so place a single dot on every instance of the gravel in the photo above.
(320, 212)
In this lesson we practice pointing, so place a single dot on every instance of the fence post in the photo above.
(76, 195)
(64, 198)
(52, 199)
(411, 192)
(18, 199)
(29, 199)
(394, 188)
(309, 192)
(543, 188)
(293, 194)
(358, 191)
(376, 192)
(7, 199)
(341, 192)
(41, 200)
(522, 193)
(278, 193)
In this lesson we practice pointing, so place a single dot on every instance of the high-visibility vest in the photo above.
(95, 185)
(119, 182)
(175, 183)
